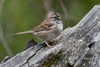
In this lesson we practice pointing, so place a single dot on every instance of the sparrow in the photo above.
(48, 30)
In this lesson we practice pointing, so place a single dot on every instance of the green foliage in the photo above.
(2, 52)
(22, 15)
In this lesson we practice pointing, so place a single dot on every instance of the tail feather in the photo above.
(25, 32)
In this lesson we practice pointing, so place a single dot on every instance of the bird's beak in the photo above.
(59, 17)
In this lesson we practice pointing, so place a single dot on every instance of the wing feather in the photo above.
(44, 26)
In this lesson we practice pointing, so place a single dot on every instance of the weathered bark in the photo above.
(78, 46)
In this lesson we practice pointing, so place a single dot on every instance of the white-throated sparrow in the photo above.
(48, 30)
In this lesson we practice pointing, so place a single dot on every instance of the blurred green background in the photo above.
(23, 15)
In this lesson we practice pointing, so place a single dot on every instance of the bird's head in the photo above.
(55, 15)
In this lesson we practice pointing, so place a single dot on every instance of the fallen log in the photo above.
(78, 46)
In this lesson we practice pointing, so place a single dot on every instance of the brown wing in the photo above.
(44, 26)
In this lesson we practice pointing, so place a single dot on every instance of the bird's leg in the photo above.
(48, 44)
